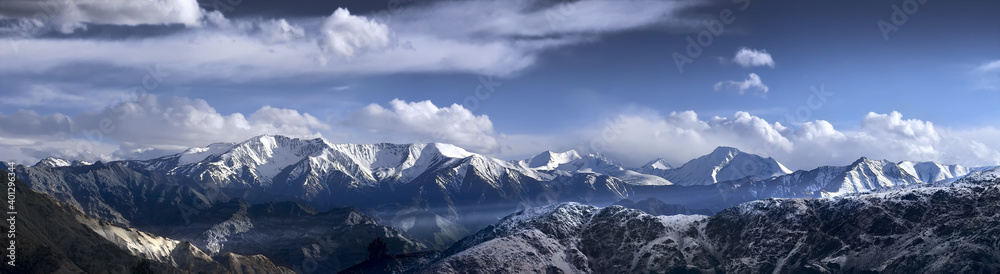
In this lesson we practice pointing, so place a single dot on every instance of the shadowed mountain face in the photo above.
(289, 233)
(913, 230)
(54, 237)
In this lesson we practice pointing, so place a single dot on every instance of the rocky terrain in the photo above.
(946, 228)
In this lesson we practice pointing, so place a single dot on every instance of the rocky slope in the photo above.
(54, 237)
(948, 228)
(288, 233)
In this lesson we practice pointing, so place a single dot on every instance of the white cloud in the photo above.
(346, 34)
(497, 37)
(499, 19)
(988, 76)
(991, 66)
(68, 15)
(147, 127)
(152, 126)
(178, 123)
(751, 83)
(679, 137)
(893, 126)
(425, 122)
(753, 58)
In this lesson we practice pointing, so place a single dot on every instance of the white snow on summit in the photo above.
(724, 164)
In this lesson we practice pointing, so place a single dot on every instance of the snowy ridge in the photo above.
(259, 161)
(931, 172)
(549, 160)
(905, 230)
(59, 162)
(317, 166)
(723, 164)
(866, 175)
(986, 175)
(655, 166)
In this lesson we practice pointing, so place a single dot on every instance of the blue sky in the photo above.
(596, 76)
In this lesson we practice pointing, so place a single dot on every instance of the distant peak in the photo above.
(866, 160)
(53, 162)
(550, 160)
(449, 150)
(859, 161)
(726, 150)
(659, 163)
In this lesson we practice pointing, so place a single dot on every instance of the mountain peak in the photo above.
(550, 160)
(449, 150)
(658, 164)
(60, 162)
(52, 162)
(723, 164)
(866, 160)
(726, 150)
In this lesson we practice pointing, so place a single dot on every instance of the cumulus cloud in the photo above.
(681, 136)
(147, 127)
(426, 122)
(753, 58)
(751, 83)
(69, 15)
(893, 126)
(178, 123)
(345, 34)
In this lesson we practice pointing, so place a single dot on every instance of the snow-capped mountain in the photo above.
(864, 175)
(655, 167)
(429, 195)
(931, 172)
(549, 160)
(60, 162)
(267, 159)
(570, 162)
(723, 164)
(911, 230)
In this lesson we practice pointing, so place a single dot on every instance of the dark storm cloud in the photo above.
(116, 32)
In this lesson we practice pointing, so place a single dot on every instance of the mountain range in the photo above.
(234, 198)
(947, 228)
